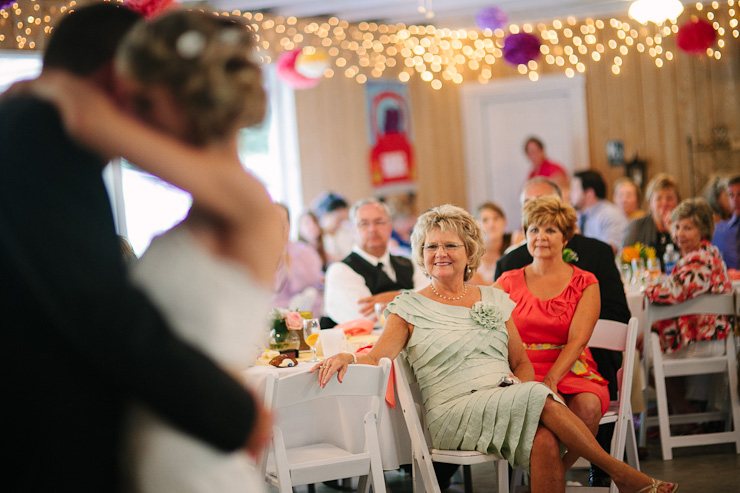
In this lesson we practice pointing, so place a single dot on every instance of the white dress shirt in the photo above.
(343, 287)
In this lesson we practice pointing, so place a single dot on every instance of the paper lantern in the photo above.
(149, 8)
(312, 65)
(696, 36)
(520, 48)
(286, 70)
(491, 18)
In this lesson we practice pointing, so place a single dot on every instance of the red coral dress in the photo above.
(544, 326)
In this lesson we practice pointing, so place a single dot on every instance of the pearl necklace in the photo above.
(465, 291)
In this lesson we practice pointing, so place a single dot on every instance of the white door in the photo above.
(499, 117)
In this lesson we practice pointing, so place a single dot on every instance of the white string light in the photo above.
(439, 56)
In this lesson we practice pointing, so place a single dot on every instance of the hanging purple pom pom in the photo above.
(520, 48)
(491, 18)
(6, 3)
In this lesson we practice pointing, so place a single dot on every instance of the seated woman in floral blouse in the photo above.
(700, 270)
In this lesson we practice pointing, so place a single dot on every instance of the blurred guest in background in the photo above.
(309, 232)
(333, 213)
(700, 270)
(492, 221)
(715, 193)
(299, 279)
(654, 229)
(727, 233)
(542, 166)
(627, 196)
(370, 274)
(597, 217)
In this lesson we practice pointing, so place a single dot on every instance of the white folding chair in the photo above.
(713, 304)
(615, 336)
(424, 479)
(327, 458)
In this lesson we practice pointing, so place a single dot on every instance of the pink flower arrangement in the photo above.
(293, 321)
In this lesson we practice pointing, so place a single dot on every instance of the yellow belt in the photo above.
(580, 367)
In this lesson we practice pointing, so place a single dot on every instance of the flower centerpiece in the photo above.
(635, 259)
(284, 329)
(638, 251)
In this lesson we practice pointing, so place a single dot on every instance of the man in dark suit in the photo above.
(596, 257)
(78, 340)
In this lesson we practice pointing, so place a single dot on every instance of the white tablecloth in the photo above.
(301, 424)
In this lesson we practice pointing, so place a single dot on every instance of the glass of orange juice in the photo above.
(311, 336)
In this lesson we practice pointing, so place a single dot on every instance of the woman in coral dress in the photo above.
(557, 305)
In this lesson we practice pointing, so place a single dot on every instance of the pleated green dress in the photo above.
(459, 355)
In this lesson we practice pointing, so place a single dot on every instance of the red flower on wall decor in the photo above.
(520, 48)
(286, 70)
(696, 36)
(149, 8)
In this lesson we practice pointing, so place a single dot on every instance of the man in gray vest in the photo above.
(369, 274)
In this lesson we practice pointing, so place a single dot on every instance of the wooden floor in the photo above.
(706, 469)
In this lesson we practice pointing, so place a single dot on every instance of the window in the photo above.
(16, 66)
(146, 206)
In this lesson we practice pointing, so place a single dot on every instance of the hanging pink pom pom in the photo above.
(287, 72)
(696, 36)
(520, 48)
(491, 18)
(149, 8)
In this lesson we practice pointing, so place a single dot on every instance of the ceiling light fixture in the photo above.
(656, 11)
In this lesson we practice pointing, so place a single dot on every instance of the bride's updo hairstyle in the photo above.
(449, 218)
(206, 62)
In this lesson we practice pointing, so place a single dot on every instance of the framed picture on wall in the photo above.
(615, 152)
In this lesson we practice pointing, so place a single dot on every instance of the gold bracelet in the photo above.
(354, 356)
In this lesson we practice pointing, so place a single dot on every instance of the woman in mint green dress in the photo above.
(465, 349)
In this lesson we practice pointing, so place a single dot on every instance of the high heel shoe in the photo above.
(653, 488)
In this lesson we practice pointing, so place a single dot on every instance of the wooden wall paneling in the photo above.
(652, 118)
(332, 139)
(686, 109)
(614, 91)
(632, 101)
(726, 106)
(706, 120)
(438, 144)
(674, 152)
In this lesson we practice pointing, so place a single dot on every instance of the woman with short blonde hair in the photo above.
(468, 358)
